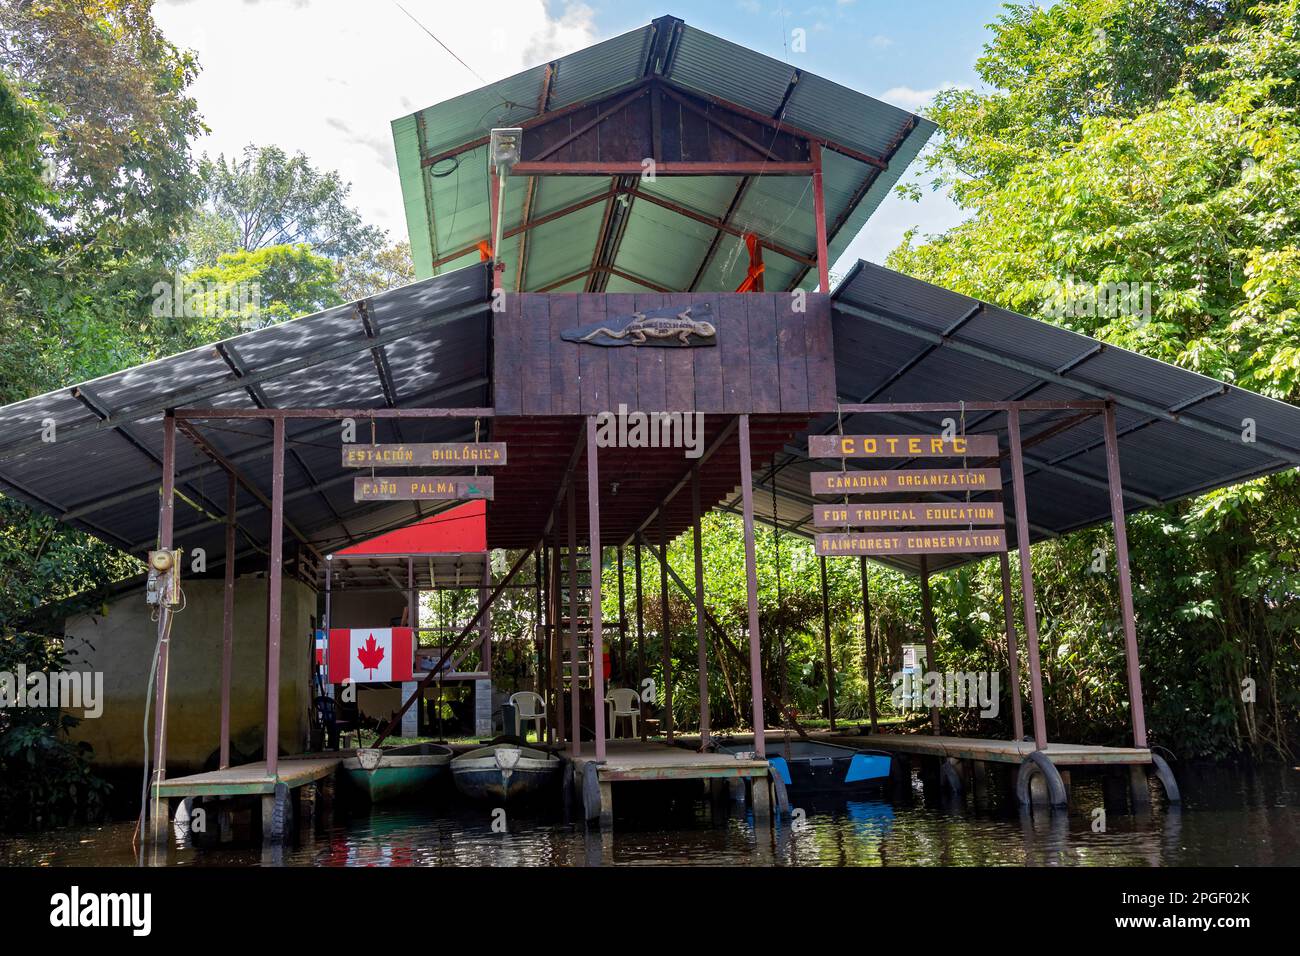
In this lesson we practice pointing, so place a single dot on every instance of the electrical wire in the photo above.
(440, 43)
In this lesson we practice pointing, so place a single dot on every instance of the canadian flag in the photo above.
(367, 655)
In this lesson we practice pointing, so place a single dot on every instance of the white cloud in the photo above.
(913, 99)
(327, 76)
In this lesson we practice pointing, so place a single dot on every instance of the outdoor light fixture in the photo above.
(503, 152)
(503, 148)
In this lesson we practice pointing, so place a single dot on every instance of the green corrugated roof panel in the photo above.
(662, 246)
(563, 246)
(658, 245)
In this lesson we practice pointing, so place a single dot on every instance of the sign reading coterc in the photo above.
(941, 541)
(901, 446)
(919, 479)
(439, 453)
(899, 514)
(421, 487)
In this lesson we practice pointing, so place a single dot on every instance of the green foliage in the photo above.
(45, 779)
(246, 290)
(267, 198)
(1180, 170)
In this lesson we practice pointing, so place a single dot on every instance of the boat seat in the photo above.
(529, 708)
(623, 702)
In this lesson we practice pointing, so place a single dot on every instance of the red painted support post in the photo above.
(927, 622)
(751, 586)
(575, 699)
(485, 624)
(273, 582)
(228, 620)
(166, 513)
(597, 637)
(622, 624)
(701, 641)
(1013, 654)
(1116, 483)
(640, 635)
(539, 636)
(413, 620)
(665, 627)
(1026, 577)
(557, 643)
(826, 640)
(872, 707)
(819, 213)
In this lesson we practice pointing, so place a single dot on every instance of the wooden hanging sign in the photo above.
(917, 479)
(936, 541)
(901, 446)
(421, 488)
(421, 455)
(901, 514)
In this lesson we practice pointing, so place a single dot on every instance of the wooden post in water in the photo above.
(701, 640)
(273, 594)
(160, 823)
(622, 623)
(826, 640)
(1013, 652)
(228, 618)
(597, 637)
(640, 636)
(1026, 577)
(557, 639)
(927, 622)
(872, 707)
(751, 587)
(666, 645)
(575, 696)
(1116, 483)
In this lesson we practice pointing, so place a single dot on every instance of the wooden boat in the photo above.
(396, 773)
(505, 772)
(813, 766)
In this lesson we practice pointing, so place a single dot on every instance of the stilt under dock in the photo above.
(635, 761)
(276, 789)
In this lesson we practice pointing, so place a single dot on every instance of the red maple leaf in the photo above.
(370, 654)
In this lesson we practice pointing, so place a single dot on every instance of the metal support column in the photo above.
(1116, 483)
(751, 586)
(1026, 578)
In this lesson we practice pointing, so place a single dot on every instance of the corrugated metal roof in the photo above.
(450, 201)
(101, 474)
(901, 340)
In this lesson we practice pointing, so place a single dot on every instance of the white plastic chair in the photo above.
(623, 702)
(529, 707)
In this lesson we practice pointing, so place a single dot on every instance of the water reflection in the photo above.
(1230, 817)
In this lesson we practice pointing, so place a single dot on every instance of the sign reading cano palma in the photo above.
(898, 514)
(917, 479)
(437, 453)
(421, 487)
(938, 541)
(901, 446)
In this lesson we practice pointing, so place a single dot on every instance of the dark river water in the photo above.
(1229, 817)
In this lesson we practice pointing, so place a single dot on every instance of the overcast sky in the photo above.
(327, 76)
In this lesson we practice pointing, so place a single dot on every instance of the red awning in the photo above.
(459, 530)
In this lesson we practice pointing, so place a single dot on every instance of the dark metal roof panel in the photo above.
(317, 360)
(940, 346)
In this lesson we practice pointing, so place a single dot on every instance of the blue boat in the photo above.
(812, 766)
